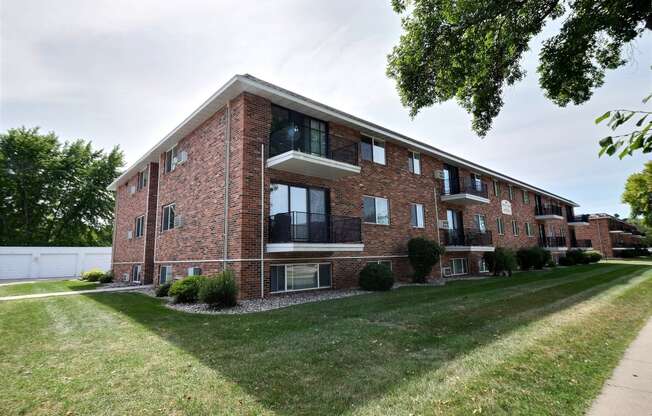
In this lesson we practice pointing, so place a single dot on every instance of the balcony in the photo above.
(582, 244)
(553, 243)
(294, 232)
(548, 212)
(467, 240)
(578, 220)
(466, 193)
(303, 157)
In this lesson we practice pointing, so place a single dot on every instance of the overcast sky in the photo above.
(127, 72)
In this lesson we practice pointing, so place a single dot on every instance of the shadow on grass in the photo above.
(334, 356)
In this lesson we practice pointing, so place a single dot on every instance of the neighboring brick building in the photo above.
(609, 235)
(292, 194)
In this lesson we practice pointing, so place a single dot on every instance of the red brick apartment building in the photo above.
(608, 235)
(292, 195)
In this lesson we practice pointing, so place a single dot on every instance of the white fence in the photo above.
(44, 262)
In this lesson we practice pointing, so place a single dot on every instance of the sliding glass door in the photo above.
(302, 210)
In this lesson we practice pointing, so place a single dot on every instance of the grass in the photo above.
(537, 343)
(45, 286)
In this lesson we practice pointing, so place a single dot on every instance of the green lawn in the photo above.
(45, 286)
(538, 343)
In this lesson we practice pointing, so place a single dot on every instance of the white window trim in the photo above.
(285, 277)
(423, 215)
(464, 261)
(496, 188)
(168, 273)
(389, 210)
(500, 227)
(526, 196)
(163, 216)
(528, 230)
(515, 229)
(172, 152)
(482, 266)
(391, 265)
(140, 269)
(484, 221)
(373, 143)
(510, 190)
(411, 160)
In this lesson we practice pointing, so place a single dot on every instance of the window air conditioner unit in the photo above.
(130, 235)
(132, 189)
(443, 224)
(125, 277)
(447, 271)
(178, 221)
(439, 174)
(182, 157)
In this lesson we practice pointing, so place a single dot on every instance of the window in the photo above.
(510, 188)
(501, 226)
(290, 277)
(165, 274)
(170, 155)
(376, 210)
(481, 222)
(416, 215)
(458, 266)
(135, 272)
(497, 189)
(482, 266)
(194, 271)
(168, 217)
(526, 197)
(528, 229)
(386, 263)
(140, 226)
(414, 163)
(373, 150)
(142, 179)
(476, 181)
(295, 131)
(514, 227)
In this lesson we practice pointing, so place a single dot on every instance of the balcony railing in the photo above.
(466, 237)
(582, 243)
(579, 218)
(621, 243)
(548, 210)
(465, 187)
(552, 241)
(308, 227)
(337, 148)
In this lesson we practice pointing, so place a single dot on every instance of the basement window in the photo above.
(295, 277)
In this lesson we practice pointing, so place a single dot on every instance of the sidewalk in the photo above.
(629, 390)
(76, 292)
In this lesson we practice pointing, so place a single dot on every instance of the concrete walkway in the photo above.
(629, 390)
(76, 292)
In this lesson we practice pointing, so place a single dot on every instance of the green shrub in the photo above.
(163, 290)
(93, 275)
(542, 257)
(186, 290)
(551, 264)
(501, 260)
(627, 254)
(219, 290)
(566, 261)
(107, 277)
(376, 276)
(577, 256)
(527, 257)
(594, 256)
(423, 255)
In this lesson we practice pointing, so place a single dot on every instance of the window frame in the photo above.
(500, 225)
(496, 188)
(373, 153)
(515, 229)
(413, 157)
(194, 269)
(376, 198)
(142, 179)
(526, 197)
(139, 220)
(168, 273)
(391, 267)
(168, 159)
(528, 230)
(510, 191)
(464, 263)
(476, 218)
(165, 225)
(285, 276)
(482, 266)
(135, 267)
(416, 207)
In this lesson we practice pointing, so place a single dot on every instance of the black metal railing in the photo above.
(617, 226)
(552, 241)
(452, 187)
(579, 218)
(622, 243)
(336, 148)
(466, 237)
(548, 210)
(308, 227)
(582, 243)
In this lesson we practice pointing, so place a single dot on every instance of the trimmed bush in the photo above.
(527, 258)
(577, 256)
(93, 275)
(594, 256)
(423, 255)
(542, 257)
(377, 277)
(627, 254)
(551, 264)
(501, 260)
(163, 290)
(186, 290)
(107, 277)
(219, 290)
(566, 261)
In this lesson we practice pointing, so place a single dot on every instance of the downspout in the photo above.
(115, 227)
(262, 220)
(227, 158)
(441, 267)
(600, 237)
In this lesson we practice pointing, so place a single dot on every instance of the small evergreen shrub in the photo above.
(551, 264)
(541, 257)
(107, 277)
(377, 277)
(578, 256)
(93, 275)
(527, 258)
(501, 260)
(566, 261)
(594, 256)
(219, 290)
(423, 255)
(163, 290)
(186, 290)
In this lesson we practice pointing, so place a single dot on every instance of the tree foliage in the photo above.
(53, 193)
(469, 50)
(638, 194)
(639, 138)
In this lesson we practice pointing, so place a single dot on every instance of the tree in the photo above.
(638, 222)
(53, 193)
(469, 50)
(638, 194)
(639, 138)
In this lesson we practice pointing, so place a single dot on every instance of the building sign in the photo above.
(506, 207)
